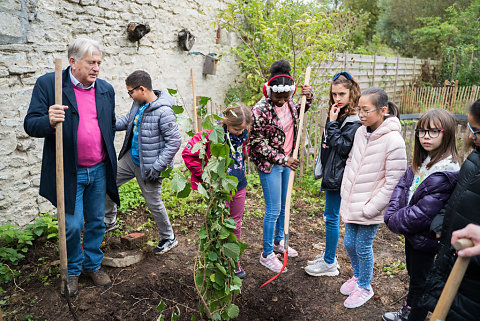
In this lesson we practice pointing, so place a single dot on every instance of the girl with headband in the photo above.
(337, 141)
(272, 139)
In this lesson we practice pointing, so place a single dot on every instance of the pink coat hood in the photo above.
(375, 164)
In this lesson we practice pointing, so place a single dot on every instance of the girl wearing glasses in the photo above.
(462, 209)
(337, 141)
(375, 164)
(419, 195)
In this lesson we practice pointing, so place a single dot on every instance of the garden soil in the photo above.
(137, 290)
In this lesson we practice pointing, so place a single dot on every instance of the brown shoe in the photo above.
(72, 286)
(99, 277)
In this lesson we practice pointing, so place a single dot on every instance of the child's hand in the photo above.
(292, 163)
(334, 112)
(307, 90)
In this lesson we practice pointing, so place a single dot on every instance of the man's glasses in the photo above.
(432, 132)
(474, 132)
(130, 92)
(366, 112)
(343, 73)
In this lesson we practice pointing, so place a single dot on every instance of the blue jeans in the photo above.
(274, 185)
(332, 215)
(358, 243)
(88, 217)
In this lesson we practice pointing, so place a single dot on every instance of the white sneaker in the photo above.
(319, 258)
(272, 263)
(280, 248)
(322, 268)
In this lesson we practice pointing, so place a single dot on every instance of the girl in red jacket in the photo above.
(236, 121)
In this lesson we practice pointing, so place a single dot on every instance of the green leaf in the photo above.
(212, 256)
(171, 91)
(217, 135)
(166, 173)
(161, 306)
(230, 223)
(185, 192)
(231, 250)
(221, 268)
(216, 316)
(202, 190)
(177, 109)
(209, 122)
(186, 124)
(178, 182)
(233, 311)
(224, 233)
(204, 100)
(202, 234)
(219, 150)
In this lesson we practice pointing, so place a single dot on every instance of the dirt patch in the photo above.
(137, 289)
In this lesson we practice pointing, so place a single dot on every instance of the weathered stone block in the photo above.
(12, 25)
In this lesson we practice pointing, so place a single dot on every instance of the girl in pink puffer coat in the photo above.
(375, 164)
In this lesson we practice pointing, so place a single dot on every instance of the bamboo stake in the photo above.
(195, 117)
(454, 96)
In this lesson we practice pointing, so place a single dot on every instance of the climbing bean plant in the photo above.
(219, 249)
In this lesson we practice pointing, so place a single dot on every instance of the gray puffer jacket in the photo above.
(158, 136)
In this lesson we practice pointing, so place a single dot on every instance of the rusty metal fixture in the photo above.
(186, 39)
(136, 30)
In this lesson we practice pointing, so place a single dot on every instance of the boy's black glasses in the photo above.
(130, 92)
(343, 73)
(474, 132)
(432, 132)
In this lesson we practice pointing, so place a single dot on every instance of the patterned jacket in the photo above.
(267, 136)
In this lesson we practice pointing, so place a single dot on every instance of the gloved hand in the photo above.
(153, 174)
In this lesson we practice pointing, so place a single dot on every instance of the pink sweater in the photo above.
(89, 138)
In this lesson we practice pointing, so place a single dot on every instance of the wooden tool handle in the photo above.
(59, 174)
(461, 244)
(295, 155)
(453, 282)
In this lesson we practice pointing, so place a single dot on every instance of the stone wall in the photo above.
(34, 32)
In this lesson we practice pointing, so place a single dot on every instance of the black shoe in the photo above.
(401, 315)
(165, 245)
(240, 272)
(72, 286)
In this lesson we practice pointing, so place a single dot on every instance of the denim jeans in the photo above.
(274, 185)
(358, 243)
(332, 215)
(88, 217)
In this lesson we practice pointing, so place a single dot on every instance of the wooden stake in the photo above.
(60, 180)
(194, 102)
(453, 282)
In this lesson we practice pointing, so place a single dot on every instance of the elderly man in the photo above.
(90, 165)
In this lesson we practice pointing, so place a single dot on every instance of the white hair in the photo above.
(80, 46)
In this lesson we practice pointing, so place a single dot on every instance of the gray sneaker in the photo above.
(319, 258)
(111, 227)
(322, 268)
(165, 245)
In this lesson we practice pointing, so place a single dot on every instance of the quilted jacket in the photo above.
(413, 218)
(267, 136)
(375, 164)
(158, 136)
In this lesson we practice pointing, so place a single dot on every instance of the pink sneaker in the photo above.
(280, 248)
(348, 287)
(272, 263)
(358, 297)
